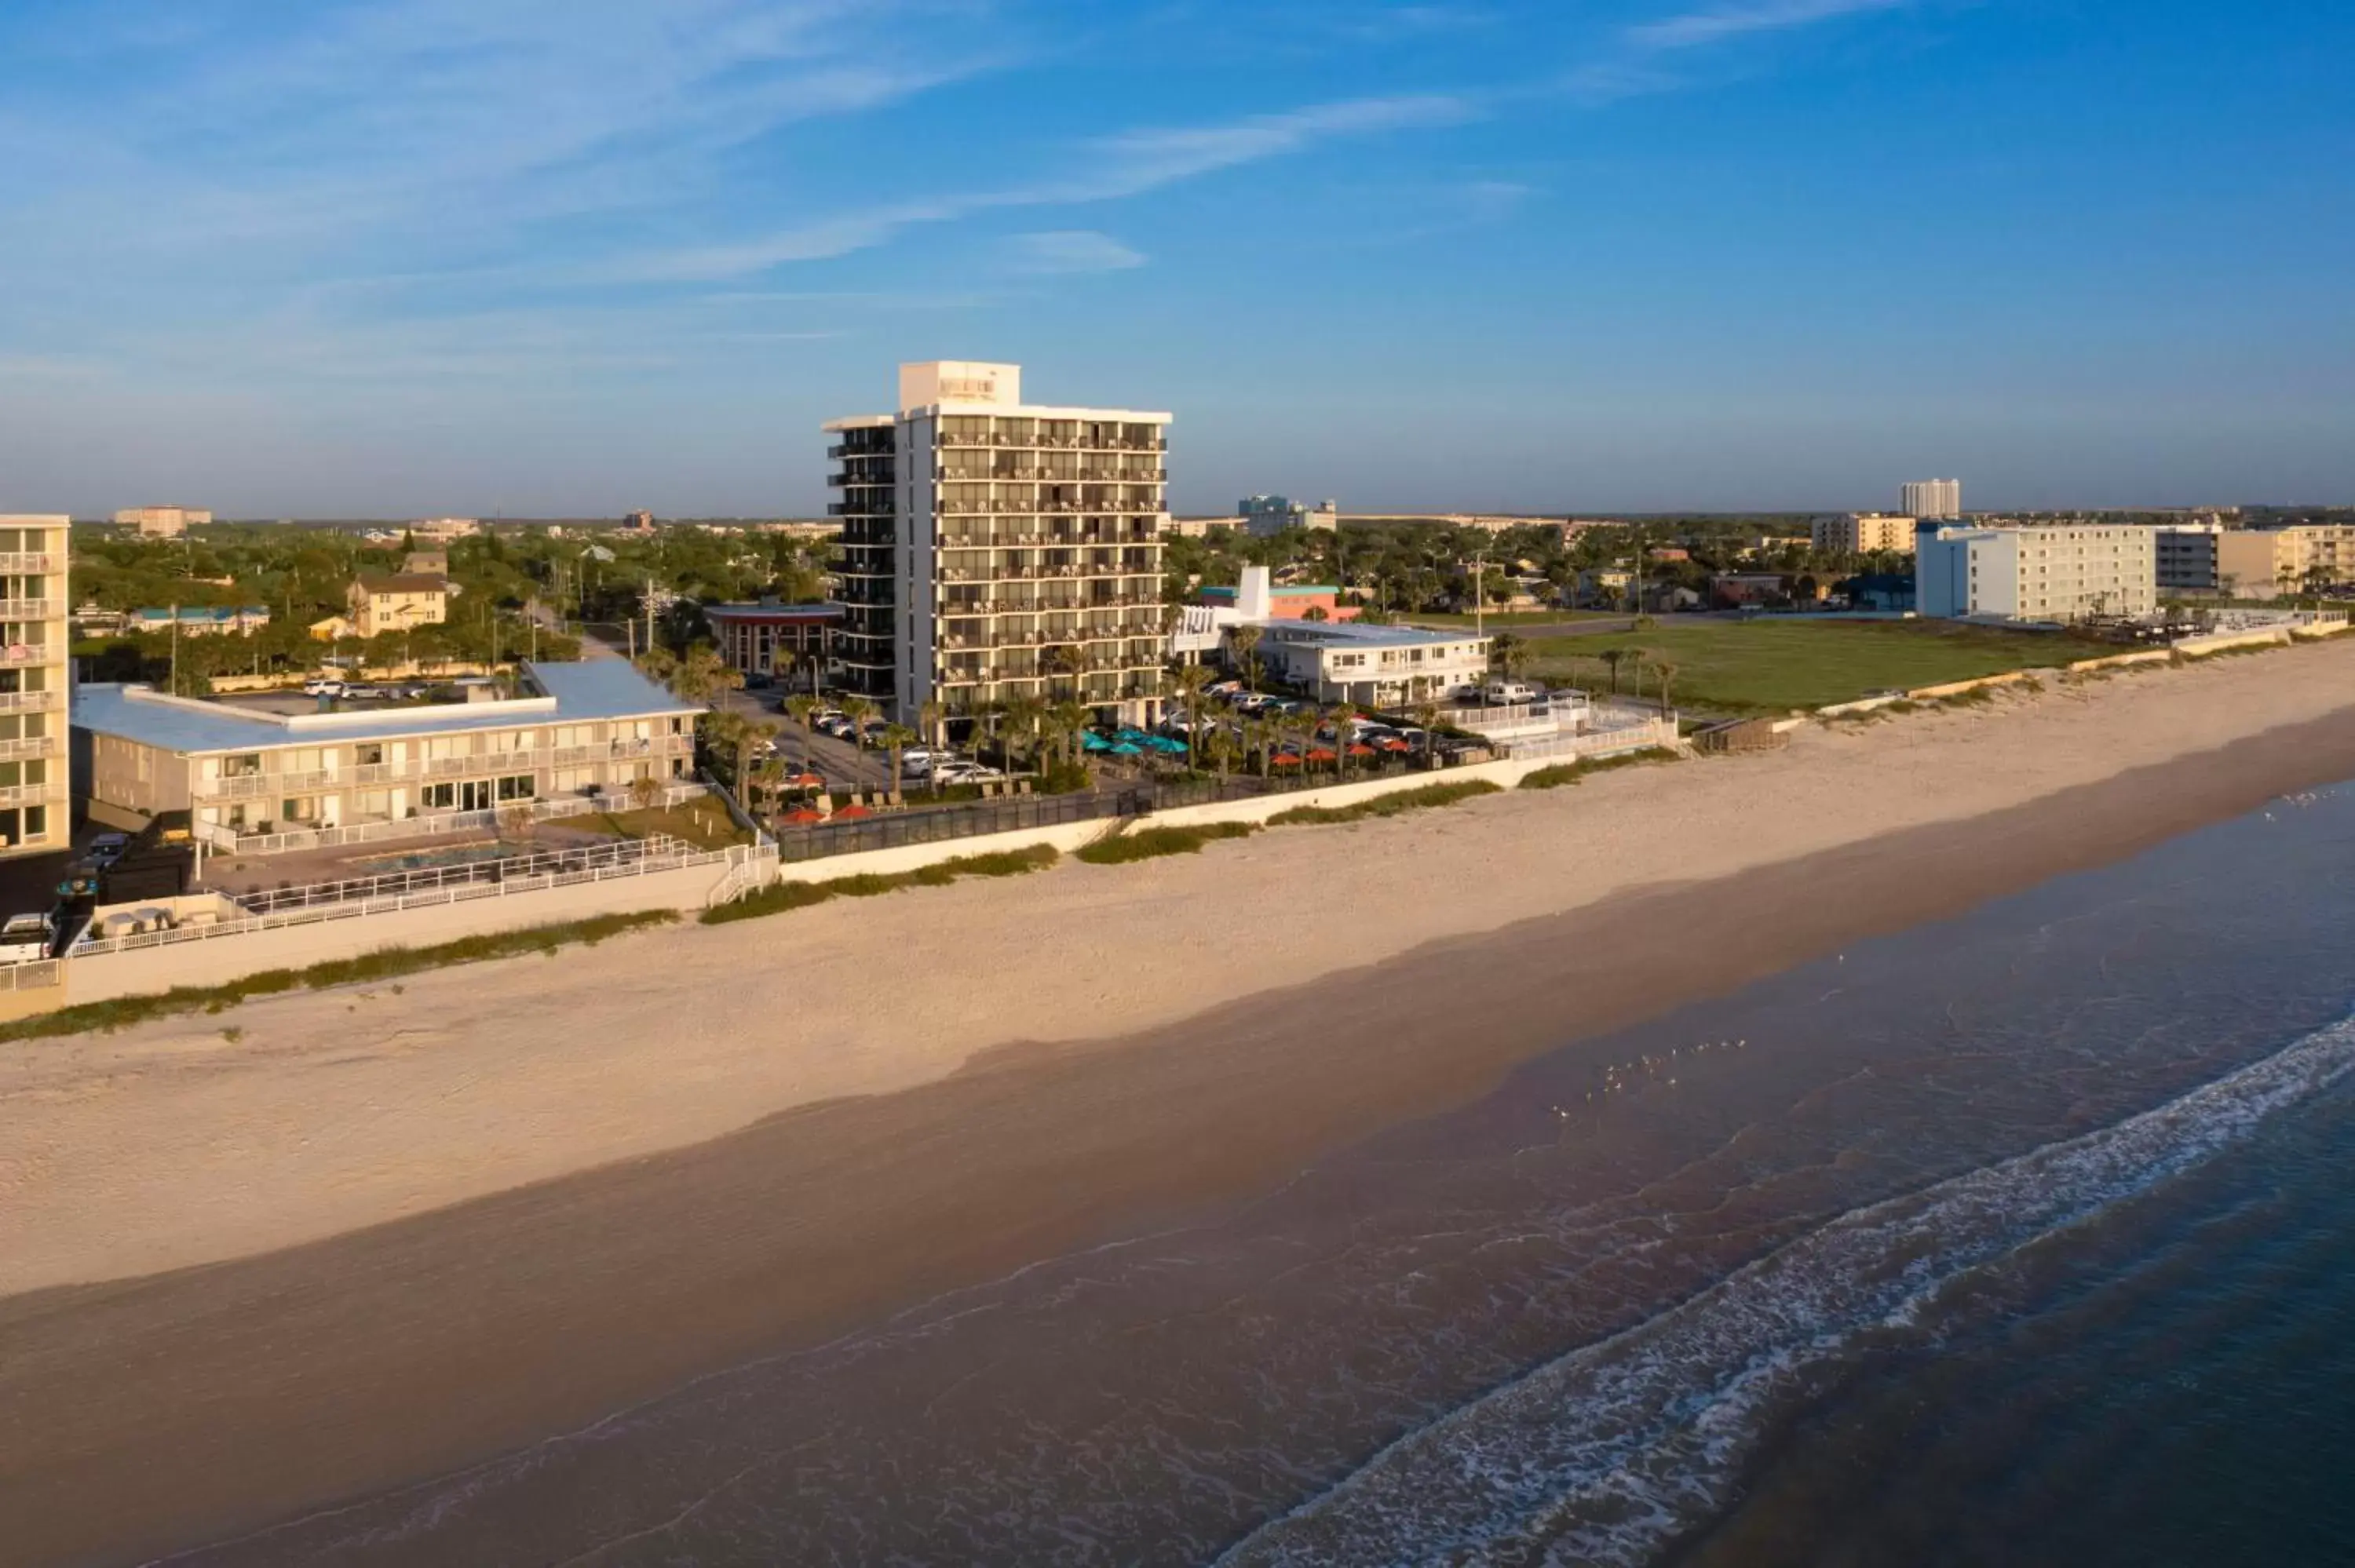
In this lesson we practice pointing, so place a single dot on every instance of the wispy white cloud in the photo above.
(1696, 29)
(1117, 167)
(1072, 251)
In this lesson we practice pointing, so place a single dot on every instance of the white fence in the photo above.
(1624, 736)
(676, 858)
(40, 975)
(230, 840)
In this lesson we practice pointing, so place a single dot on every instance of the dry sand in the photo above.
(176, 1144)
(745, 1178)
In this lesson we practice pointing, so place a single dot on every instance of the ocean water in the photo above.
(2027, 1238)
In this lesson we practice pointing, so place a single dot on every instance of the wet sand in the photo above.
(151, 1413)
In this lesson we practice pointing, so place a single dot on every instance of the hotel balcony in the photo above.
(27, 609)
(35, 745)
(30, 794)
(17, 564)
(32, 654)
(28, 702)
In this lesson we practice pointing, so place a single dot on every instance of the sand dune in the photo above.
(289, 1120)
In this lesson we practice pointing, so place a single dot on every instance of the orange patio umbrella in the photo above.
(804, 816)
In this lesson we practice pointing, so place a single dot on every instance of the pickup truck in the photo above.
(26, 939)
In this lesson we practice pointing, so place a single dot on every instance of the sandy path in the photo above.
(176, 1144)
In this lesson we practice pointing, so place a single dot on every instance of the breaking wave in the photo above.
(1613, 1452)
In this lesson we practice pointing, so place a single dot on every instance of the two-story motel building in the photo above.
(594, 727)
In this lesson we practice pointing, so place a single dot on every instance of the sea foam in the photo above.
(1612, 1452)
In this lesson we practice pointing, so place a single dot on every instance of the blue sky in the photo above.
(301, 257)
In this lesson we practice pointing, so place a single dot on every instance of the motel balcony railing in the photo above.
(24, 794)
(27, 609)
(250, 786)
(32, 654)
(34, 746)
(27, 564)
(27, 702)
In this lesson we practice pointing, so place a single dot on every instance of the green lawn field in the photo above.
(1776, 664)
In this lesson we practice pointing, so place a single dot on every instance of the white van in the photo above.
(1509, 694)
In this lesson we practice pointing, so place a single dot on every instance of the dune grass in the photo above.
(1148, 844)
(1390, 805)
(1567, 773)
(121, 1012)
(781, 896)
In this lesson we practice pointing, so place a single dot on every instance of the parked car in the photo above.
(759, 680)
(918, 761)
(966, 773)
(107, 848)
(26, 939)
(323, 686)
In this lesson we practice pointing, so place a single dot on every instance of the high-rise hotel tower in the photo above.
(992, 548)
(35, 680)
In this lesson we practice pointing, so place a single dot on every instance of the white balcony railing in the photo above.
(24, 795)
(32, 652)
(33, 746)
(263, 785)
(27, 702)
(20, 563)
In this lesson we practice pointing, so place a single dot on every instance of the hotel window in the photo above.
(517, 786)
(440, 797)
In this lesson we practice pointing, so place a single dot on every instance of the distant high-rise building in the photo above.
(1265, 516)
(1933, 498)
(162, 522)
(992, 548)
(34, 686)
(1863, 533)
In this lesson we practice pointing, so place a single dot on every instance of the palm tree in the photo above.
(896, 737)
(1068, 719)
(1339, 717)
(722, 733)
(1668, 673)
(1023, 713)
(1187, 682)
(1613, 658)
(858, 711)
(660, 664)
(1243, 643)
(1426, 716)
(751, 737)
(933, 720)
(804, 708)
(1510, 653)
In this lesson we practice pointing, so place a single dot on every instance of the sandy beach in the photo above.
(265, 1259)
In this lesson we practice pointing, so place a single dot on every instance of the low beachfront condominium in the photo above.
(2066, 572)
(244, 772)
(1372, 666)
(2263, 563)
(2187, 557)
(1861, 533)
(992, 548)
(1936, 499)
(35, 683)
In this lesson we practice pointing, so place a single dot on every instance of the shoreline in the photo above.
(349, 1364)
(195, 1139)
